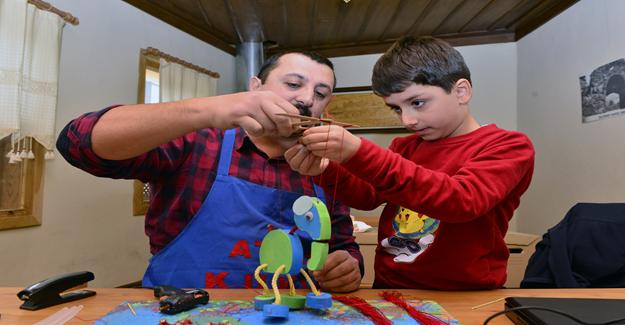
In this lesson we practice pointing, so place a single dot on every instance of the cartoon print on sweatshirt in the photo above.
(414, 233)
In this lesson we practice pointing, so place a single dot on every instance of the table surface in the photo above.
(458, 303)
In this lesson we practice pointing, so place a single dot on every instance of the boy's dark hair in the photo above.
(424, 60)
(272, 62)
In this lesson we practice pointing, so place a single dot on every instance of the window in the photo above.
(181, 80)
(21, 187)
(151, 85)
(29, 70)
(148, 93)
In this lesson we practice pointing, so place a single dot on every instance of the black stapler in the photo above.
(48, 292)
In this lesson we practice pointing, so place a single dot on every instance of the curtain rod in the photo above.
(155, 52)
(68, 17)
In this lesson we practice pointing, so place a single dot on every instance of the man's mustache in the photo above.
(303, 109)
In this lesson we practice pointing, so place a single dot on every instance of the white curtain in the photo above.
(30, 43)
(179, 82)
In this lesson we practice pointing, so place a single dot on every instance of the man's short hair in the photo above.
(423, 60)
(272, 62)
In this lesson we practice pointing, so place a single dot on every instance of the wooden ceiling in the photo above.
(340, 27)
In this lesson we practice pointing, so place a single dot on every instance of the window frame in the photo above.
(146, 61)
(30, 214)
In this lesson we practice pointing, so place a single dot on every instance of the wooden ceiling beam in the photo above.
(174, 20)
(245, 20)
(348, 49)
(339, 29)
(417, 23)
(467, 16)
(528, 25)
(368, 14)
(384, 32)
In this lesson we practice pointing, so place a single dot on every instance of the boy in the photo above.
(450, 188)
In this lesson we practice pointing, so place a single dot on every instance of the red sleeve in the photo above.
(360, 194)
(480, 184)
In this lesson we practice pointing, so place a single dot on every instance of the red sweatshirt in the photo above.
(448, 204)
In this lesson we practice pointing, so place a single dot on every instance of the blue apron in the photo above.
(219, 247)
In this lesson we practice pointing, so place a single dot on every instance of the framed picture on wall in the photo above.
(360, 106)
(603, 92)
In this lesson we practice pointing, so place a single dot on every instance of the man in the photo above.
(223, 188)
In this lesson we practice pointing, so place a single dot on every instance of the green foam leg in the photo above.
(318, 256)
(294, 302)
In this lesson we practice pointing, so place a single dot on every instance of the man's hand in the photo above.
(255, 111)
(340, 273)
(331, 141)
(304, 162)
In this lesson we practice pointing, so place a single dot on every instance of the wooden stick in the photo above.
(303, 117)
(487, 303)
(308, 118)
(306, 123)
(131, 309)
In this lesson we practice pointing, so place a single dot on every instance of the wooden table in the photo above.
(458, 304)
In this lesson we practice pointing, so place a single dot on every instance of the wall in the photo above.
(87, 222)
(493, 74)
(575, 162)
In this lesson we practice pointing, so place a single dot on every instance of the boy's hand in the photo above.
(304, 162)
(340, 273)
(331, 141)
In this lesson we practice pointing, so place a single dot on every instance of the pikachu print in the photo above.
(414, 233)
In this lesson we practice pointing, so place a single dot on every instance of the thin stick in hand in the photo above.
(308, 118)
(306, 123)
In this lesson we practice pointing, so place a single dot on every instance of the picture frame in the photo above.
(360, 106)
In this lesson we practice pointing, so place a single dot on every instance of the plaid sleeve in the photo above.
(74, 144)
(342, 237)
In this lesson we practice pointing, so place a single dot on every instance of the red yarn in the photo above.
(376, 316)
(423, 318)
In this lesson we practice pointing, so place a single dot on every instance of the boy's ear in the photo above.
(254, 83)
(463, 91)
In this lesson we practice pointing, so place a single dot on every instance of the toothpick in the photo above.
(131, 309)
(487, 303)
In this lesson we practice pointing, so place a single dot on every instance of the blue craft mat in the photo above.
(243, 312)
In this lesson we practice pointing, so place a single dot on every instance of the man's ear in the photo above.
(463, 91)
(254, 83)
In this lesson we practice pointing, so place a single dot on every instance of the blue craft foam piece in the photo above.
(298, 255)
(261, 301)
(322, 301)
(276, 311)
(281, 248)
(311, 216)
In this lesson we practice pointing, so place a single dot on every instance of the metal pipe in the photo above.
(248, 61)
